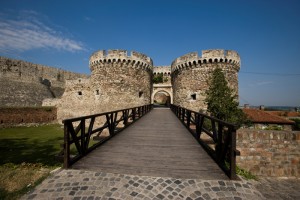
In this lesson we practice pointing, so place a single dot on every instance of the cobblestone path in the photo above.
(279, 188)
(78, 184)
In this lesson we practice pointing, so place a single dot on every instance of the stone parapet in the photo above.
(208, 56)
(162, 69)
(121, 56)
(26, 71)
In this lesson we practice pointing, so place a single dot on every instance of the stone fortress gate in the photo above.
(121, 80)
(163, 89)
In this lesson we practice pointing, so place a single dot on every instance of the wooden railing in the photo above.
(216, 136)
(83, 134)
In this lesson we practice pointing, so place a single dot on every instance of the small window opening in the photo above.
(79, 93)
(193, 96)
(1, 121)
(141, 94)
(97, 92)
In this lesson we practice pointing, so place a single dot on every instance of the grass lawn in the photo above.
(27, 156)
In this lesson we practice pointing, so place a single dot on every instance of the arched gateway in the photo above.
(162, 92)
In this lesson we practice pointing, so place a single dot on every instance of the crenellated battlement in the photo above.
(162, 69)
(208, 56)
(121, 56)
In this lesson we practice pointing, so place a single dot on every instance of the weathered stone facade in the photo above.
(27, 84)
(117, 81)
(269, 153)
(190, 75)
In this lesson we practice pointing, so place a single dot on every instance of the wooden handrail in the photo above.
(216, 136)
(78, 131)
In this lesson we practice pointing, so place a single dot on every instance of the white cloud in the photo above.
(26, 33)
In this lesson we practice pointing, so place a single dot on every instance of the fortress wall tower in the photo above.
(117, 81)
(190, 75)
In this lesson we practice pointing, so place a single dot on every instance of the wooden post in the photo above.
(232, 153)
(82, 137)
(66, 147)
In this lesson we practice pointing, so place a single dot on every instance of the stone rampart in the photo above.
(269, 153)
(191, 75)
(17, 93)
(27, 84)
(26, 115)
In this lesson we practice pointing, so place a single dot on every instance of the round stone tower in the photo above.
(191, 73)
(117, 81)
(125, 80)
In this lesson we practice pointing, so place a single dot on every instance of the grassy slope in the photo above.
(27, 156)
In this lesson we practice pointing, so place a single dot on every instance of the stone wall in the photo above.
(25, 115)
(117, 81)
(269, 153)
(190, 75)
(27, 84)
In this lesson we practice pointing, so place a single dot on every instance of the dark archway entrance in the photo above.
(162, 98)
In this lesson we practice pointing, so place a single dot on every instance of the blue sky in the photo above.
(266, 34)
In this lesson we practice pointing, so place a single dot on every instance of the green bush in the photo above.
(158, 78)
(297, 123)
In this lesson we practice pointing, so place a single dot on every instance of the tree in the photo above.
(221, 100)
(158, 78)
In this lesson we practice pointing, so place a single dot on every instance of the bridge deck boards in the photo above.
(156, 145)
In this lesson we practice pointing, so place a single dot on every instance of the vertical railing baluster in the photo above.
(66, 146)
(133, 114)
(219, 145)
(188, 119)
(82, 137)
(232, 153)
(215, 134)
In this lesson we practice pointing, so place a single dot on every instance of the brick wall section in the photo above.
(13, 116)
(269, 153)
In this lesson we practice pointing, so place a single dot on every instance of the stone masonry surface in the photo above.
(269, 153)
(26, 84)
(191, 73)
(78, 184)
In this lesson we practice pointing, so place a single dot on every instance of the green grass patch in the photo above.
(246, 174)
(242, 172)
(31, 144)
(16, 180)
(27, 156)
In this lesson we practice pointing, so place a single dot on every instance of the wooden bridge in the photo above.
(157, 144)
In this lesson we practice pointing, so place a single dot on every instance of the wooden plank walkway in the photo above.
(156, 145)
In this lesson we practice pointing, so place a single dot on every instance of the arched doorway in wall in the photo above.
(162, 98)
